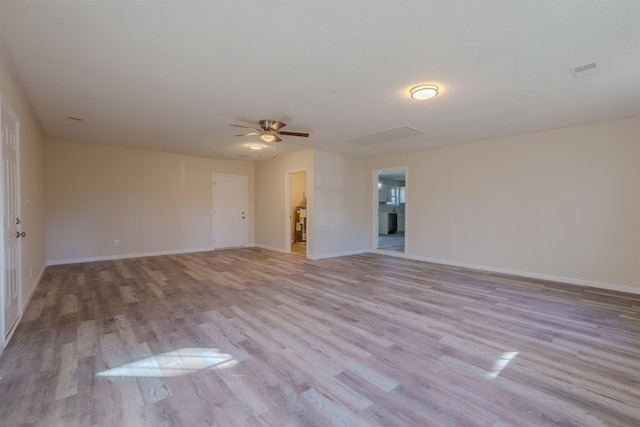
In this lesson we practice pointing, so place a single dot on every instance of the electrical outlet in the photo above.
(117, 243)
(472, 250)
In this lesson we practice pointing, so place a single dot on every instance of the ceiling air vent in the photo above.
(386, 136)
(585, 70)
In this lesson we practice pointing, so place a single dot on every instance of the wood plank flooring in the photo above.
(248, 337)
(392, 242)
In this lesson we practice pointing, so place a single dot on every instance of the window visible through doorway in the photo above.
(393, 196)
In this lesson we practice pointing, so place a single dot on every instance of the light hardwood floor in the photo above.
(247, 337)
(393, 242)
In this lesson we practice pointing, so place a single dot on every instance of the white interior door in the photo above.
(229, 211)
(12, 228)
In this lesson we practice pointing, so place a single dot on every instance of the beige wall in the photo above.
(152, 202)
(341, 207)
(562, 204)
(336, 202)
(271, 175)
(394, 161)
(31, 182)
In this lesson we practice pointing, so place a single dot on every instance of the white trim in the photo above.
(393, 253)
(287, 212)
(375, 216)
(126, 256)
(33, 288)
(4, 338)
(271, 248)
(528, 274)
(8, 337)
(23, 308)
(337, 254)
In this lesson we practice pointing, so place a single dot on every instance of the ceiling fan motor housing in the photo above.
(272, 125)
(269, 130)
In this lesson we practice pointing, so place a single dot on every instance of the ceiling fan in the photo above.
(269, 131)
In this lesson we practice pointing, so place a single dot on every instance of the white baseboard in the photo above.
(25, 301)
(8, 337)
(270, 248)
(125, 256)
(337, 254)
(316, 257)
(532, 275)
(528, 274)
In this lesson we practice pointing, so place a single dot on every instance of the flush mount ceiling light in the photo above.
(255, 146)
(423, 92)
(268, 137)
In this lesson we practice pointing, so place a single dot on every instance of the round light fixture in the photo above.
(267, 137)
(423, 92)
(255, 146)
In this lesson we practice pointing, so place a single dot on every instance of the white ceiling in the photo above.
(172, 75)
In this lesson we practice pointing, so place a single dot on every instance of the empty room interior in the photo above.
(316, 213)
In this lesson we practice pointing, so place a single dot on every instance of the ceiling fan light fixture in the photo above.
(267, 137)
(255, 146)
(423, 92)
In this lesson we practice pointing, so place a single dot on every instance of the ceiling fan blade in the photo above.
(274, 125)
(246, 127)
(247, 134)
(277, 139)
(294, 133)
(277, 125)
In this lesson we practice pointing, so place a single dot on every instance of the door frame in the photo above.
(4, 338)
(374, 224)
(288, 207)
(213, 207)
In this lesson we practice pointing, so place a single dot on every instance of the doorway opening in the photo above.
(297, 214)
(391, 191)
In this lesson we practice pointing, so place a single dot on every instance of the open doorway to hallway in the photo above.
(297, 213)
(390, 207)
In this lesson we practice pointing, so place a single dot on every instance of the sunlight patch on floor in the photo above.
(174, 363)
(501, 363)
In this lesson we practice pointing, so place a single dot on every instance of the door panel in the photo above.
(12, 224)
(229, 211)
